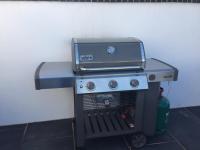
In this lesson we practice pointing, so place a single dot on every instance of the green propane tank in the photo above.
(162, 114)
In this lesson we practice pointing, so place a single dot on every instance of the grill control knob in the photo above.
(152, 77)
(134, 83)
(113, 84)
(90, 85)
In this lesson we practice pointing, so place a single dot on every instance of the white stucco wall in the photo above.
(32, 32)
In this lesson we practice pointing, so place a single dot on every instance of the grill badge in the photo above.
(88, 57)
(111, 50)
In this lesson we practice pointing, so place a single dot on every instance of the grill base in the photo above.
(140, 105)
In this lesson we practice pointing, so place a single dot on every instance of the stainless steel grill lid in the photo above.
(92, 55)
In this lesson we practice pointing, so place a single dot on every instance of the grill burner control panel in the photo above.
(111, 84)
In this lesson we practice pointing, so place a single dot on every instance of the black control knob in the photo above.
(90, 85)
(134, 83)
(152, 77)
(113, 84)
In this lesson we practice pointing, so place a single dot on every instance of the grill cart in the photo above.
(116, 89)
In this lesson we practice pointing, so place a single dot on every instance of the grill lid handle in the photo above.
(110, 68)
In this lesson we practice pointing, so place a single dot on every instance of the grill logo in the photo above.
(111, 50)
(168, 76)
(86, 57)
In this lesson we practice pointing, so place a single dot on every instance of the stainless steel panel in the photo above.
(161, 70)
(111, 68)
(54, 75)
(105, 40)
(58, 72)
(161, 76)
(102, 84)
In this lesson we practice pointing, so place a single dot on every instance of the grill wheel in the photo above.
(138, 140)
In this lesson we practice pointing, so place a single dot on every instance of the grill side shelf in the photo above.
(37, 76)
(174, 68)
(50, 75)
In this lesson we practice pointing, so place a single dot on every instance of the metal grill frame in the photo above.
(145, 116)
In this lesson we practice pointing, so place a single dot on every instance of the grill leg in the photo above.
(79, 121)
(150, 108)
(139, 110)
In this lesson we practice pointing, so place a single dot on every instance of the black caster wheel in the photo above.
(138, 140)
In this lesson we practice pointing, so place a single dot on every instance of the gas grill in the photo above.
(116, 89)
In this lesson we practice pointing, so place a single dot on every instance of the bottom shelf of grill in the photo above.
(101, 123)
